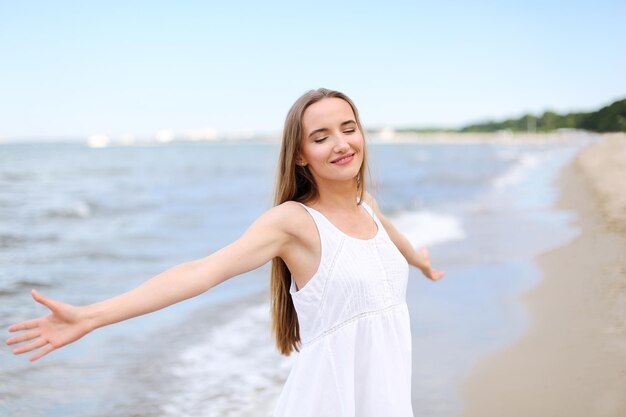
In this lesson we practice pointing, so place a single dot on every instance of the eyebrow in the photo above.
(347, 122)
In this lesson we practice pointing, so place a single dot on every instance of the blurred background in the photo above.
(138, 135)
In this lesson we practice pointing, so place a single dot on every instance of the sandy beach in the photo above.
(571, 361)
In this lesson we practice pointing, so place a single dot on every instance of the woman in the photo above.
(338, 281)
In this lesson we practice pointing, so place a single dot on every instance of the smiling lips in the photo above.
(343, 160)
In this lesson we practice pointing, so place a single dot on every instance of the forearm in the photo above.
(406, 248)
(169, 287)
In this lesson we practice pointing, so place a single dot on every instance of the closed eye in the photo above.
(319, 140)
(349, 130)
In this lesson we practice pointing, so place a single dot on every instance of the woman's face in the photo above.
(332, 144)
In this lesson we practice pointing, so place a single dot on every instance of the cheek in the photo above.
(313, 154)
(358, 142)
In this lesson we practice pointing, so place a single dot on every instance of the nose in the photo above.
(341, 145)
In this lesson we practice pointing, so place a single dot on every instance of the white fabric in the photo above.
(355, 359)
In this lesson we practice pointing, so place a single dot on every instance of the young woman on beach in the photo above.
(338, 280)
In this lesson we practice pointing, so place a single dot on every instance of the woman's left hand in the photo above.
(423, 263)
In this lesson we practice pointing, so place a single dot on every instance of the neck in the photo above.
(337, 195)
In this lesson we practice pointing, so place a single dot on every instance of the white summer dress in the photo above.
(355, 359)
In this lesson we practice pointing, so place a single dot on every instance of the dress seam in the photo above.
(352, 320)
(387, 282)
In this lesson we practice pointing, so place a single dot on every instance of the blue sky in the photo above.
(78, 68)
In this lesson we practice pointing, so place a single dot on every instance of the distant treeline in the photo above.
(611, 118)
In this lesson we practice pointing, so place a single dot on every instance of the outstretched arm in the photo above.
(263, 241)
(418, 258)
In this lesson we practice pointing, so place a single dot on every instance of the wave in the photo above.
(9, 240)
(23, 285)
(16, 176)
(519, 171)
(236, 363)
(426, 228)
(106, 255)
(78, 209)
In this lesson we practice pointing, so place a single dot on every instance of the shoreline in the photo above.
(571, 361)
(478, 137)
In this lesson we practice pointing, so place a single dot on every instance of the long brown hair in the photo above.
(296, 183)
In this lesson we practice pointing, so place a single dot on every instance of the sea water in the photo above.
(81, 224)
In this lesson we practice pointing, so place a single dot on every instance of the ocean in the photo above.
(81, 224)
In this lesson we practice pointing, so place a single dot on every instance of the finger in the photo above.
(25, 325)
(45, 301)
(41, 353)
(434, 275)
(23, 337)
(439, 274)
(31, 346)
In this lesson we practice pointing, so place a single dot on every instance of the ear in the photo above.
(300, 161)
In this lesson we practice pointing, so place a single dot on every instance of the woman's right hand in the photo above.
(62, 326)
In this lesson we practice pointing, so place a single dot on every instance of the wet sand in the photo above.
(571, 361)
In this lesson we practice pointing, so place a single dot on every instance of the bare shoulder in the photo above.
(279, 227)
(289, 217)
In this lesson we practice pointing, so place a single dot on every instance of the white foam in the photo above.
(70, 209)
(519, 171)
(425, 228)
(236, 370)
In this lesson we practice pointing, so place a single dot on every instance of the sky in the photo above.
(74, 69)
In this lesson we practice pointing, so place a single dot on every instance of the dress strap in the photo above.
(324, 226)
(371, 212)
(368, 209)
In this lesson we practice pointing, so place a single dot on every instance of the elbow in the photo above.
(201, 274)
